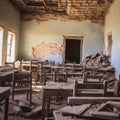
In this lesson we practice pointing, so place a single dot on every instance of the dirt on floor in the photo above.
(20, 109)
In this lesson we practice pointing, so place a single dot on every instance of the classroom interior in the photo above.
(59, 59)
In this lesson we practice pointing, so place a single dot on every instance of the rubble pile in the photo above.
(22, 108)
(100, 62)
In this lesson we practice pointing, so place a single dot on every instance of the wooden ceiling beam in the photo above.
(59, 3)
(44, 4)
(68, 6)
(72, 9)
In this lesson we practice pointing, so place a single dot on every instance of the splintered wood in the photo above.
(105, 108)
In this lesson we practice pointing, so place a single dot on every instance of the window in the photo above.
(10, 47)
(1, 42)
(109, 47)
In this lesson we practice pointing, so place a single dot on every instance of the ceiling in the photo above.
(41, 10)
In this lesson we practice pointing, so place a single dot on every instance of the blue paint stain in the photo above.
(51, 57)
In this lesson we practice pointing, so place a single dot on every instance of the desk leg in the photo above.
(43, 105)
(48, 106)
(6, 108)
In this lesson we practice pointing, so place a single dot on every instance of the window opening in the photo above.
(1, 43)
(10, 47)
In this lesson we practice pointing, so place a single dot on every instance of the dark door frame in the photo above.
(76, 37)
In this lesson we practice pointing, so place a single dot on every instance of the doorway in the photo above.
(73, 49)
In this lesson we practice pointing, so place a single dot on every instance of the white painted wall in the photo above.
(33, 33)
(112, 24)
(10, 20)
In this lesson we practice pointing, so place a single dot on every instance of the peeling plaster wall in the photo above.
(10, 20)
(112, 24)
(33, 33)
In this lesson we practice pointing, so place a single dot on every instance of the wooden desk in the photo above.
(54, 89)
(6, 71)
(4, 95)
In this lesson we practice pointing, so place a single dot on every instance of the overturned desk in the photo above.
(89, 108)
(4, 95)
(54, 89)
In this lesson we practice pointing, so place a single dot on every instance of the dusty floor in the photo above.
(36, 102)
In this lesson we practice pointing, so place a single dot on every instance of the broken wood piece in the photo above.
(105, 115)
(93, 100)
(14, 110)
(114, 104)
(25, 106)
(75, 110)
(101, 111)
(36, 112)
(109, 104)
(102, 106)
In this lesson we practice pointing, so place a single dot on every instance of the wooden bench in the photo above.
(90, 89)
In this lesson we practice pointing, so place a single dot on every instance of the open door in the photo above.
(73, 49)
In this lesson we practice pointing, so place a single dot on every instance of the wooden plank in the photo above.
(105, 115)
(94, 100)
(75, 110)
(90, 85)
(58, 116)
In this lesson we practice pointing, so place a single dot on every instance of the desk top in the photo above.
(6, 70)
(4, 92)
(4, 89)
(58, 85)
